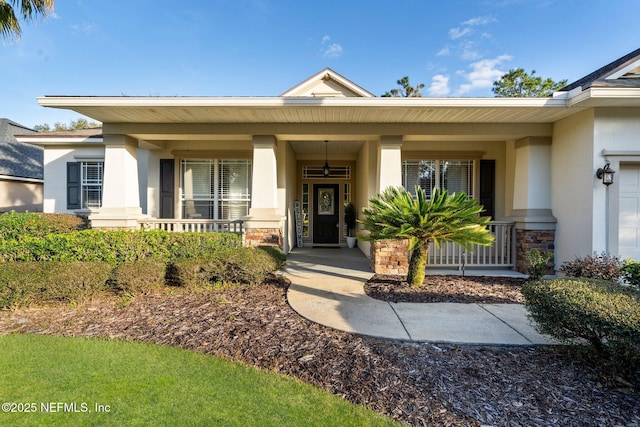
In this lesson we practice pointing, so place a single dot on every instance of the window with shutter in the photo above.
(84, 184)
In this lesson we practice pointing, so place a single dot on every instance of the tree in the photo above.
(405, 90)
(396, 214)
(73, 124)
(26, 9)
(517, 83)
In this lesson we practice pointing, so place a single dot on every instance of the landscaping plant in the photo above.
(602, 313)
(597, 266)
(538, 263)
(396, 214)
(631, 272)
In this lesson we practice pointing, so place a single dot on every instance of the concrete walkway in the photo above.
(327, 288)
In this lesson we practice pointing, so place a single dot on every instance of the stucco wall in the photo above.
(616, 130)
(55, 173)
(572, 180)
(20, 196)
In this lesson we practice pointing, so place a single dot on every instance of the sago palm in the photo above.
(396, 214)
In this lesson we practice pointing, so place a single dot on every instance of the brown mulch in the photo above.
(415, 383)
(440, 288)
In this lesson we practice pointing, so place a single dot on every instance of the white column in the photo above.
(390, 162)
(263, 225)
(264, 184)
(532, 183)
(120, 189)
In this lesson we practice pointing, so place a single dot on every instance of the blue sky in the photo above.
(264, 47)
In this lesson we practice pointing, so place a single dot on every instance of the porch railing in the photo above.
(192, 225)
(501, 254)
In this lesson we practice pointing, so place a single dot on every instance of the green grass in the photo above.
(144, 384)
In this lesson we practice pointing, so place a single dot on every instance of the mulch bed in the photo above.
(440, 288)
(416, 383)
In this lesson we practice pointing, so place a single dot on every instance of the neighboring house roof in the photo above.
(17, 159)
(623, 72)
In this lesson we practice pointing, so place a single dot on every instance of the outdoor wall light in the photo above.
(326, 170)
(605, 174)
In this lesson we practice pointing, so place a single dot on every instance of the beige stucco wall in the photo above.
(573, 184)
(20, 196)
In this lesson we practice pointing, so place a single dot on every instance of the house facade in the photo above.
(20, 170)
(285, 165)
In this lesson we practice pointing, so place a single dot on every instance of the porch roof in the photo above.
(341, 110)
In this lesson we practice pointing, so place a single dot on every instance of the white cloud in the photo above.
(334, 50)
(456, 33)
(445, 51)
(439, 85)
(85, 28)
(479, 20)
(483, 73)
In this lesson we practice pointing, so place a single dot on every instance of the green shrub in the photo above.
(138, 277)
(603, 266)
(115, 247)
(28, 283)
(239, 265)
(14, 225)
(631, 272)
(538, 263)
(605, 314)
(276, 254)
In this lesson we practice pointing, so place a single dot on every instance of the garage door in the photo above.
(629, 231)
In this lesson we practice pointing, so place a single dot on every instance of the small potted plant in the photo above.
(350, 217)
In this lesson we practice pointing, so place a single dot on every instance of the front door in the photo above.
(326, 210)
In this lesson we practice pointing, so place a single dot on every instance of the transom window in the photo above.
(215, 188)
(451, 175)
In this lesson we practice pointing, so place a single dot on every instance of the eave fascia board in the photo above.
(69, 102)
(603, 93)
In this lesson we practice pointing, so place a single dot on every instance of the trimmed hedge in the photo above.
(597, 266)
(45, 282)
(115, 247)
(138, 277)
(605, 314)
(14, 225)
(242, 265)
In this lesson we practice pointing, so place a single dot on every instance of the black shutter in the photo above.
(167, 177)
(74, 200)
(487, 187)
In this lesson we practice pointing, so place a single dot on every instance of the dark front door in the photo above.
(326, 210)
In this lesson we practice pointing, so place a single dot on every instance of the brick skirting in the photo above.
(390, 257)
(527, 240)
(262, 237)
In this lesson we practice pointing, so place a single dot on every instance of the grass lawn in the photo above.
(99, 382)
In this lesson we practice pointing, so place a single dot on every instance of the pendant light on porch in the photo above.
(326, 170)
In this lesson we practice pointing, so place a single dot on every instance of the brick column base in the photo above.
(527, 240)
(262, 237)
(390, 257)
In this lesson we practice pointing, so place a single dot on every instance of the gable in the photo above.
(327, 83)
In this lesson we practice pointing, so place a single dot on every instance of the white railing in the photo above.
(499, 255)
(192, 225)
